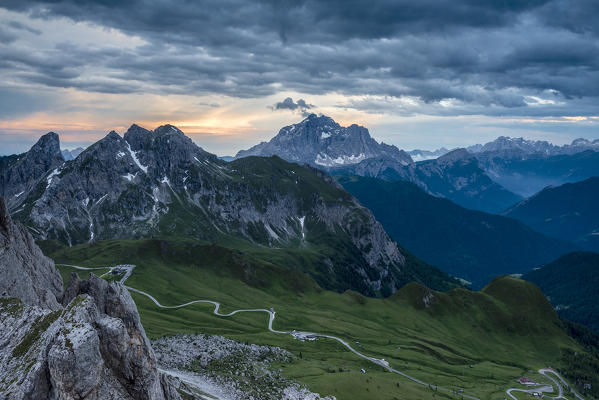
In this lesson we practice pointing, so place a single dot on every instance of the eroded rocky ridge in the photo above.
(87, 343)
(159, 183)
(25, 272)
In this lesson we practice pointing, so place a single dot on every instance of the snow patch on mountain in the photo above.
(328, 161)
(129, 176)
(136, 160)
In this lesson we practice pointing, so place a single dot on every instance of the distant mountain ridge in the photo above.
(525, 166)
(423, 155)
(468, 244)
(320, 141)
(568, 212)
(456, 176)
(519, 146)
(71, 154)
(528, 174)
(159, 183)
(513, 147)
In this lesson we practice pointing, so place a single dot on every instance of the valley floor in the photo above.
(437, 350)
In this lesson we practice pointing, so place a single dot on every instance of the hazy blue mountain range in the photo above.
(568, 212)
(530, 174)
(526, 166)
(71, 154)
(321, 142)
(515, 147)
(473, 245)
(456, 176)
(422, 155)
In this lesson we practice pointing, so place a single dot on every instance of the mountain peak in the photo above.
(136, 136)
(113, 135)
(455, 155)
(318, 118)
(46, 151)
(49, 137)
(48, 144)
(320, 141)
(168, 129)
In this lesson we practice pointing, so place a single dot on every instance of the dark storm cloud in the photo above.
(489, 54)
(288, 104)
(6, 36)
(21, 26)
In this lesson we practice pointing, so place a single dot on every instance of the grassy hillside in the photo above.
(478, 341)
(571, 284)
(255, 203)
(469, 244)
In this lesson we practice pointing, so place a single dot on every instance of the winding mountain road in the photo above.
(557, 381)
(379, 362)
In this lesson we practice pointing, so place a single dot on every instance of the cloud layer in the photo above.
(529, 58)
(484, 53)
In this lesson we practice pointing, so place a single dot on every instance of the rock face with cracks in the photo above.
(87, 343)
(25, 272)
(159, 183)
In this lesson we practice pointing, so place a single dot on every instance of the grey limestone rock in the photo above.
(92, 346)
(160, 183)
(320, 141)
(21, 173)
(25, 272)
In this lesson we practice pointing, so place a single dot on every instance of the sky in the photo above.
(231, 73)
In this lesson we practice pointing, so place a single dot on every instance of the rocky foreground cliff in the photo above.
(86, 343)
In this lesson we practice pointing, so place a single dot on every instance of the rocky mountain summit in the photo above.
(321, 142)
(19, 173)
(87, 343)
(159, 183)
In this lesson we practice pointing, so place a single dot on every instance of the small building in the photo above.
(304, 336)
(526, 381)
(363, 371)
